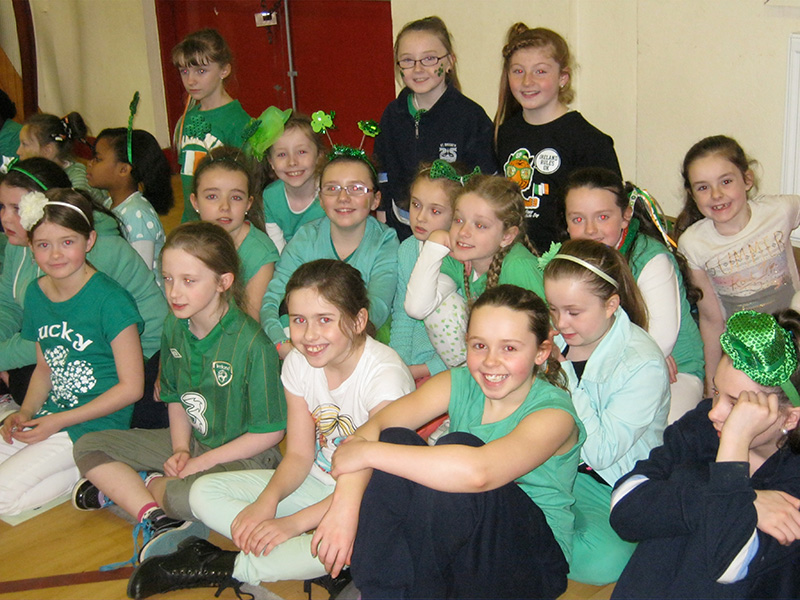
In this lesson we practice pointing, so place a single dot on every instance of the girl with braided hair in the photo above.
(485, 246)
(715, 509)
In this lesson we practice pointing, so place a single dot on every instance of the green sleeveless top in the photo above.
(550, 484)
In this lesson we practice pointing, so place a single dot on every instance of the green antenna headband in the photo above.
(133, 106)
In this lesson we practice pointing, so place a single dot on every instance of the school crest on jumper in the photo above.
(223, 372)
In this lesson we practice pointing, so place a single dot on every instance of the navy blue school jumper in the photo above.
(695, 520)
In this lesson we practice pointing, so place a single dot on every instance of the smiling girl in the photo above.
(619, 384)
(486, 246)
(89, 368)
(293, 200)
(485, 512)
(739, 251)
(430, 118)
(347, 232)
(539, 140)
(335, 379)
(212, 118)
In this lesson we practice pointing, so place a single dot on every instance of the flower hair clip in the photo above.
(545, 258)
(441, 169)
(31, 209)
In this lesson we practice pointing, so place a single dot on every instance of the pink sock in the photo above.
(146, 510)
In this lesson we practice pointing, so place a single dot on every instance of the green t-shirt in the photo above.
(228, 382)
(550, 484)
(277, 210)
(519, 267)
(255, 251)
(9, 138)
(201, 131)
(75, 338)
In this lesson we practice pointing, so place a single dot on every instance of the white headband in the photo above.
(31, 209)
(589, 266)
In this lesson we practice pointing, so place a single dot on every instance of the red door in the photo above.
(342, 51)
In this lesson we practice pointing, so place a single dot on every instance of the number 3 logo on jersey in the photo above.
(223, 372)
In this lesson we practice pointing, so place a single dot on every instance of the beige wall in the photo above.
(656, 75)
(92, 55)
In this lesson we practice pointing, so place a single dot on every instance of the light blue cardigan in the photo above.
(622, 398)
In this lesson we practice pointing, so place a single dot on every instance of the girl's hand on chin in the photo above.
(754, 413)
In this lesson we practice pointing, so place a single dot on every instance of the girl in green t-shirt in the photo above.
(89, 369)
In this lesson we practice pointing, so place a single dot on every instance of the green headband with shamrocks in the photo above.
(762, 350)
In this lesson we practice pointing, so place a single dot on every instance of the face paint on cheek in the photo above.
(440, 70)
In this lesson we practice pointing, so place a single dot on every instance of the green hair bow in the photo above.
(441, 169)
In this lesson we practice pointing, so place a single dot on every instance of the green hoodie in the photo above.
(113, 256)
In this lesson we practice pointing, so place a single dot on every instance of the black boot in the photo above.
(196, 563)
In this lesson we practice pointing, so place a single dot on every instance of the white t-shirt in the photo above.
(753, 269)
(380, 375)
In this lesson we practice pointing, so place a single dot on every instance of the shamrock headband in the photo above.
(12, 166)
(31, 209)
(762, 350)
(553, 254)
(322, 121)
(133, 106)
(441, 169)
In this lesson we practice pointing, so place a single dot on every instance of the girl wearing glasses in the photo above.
(347, 232)
(430, 118)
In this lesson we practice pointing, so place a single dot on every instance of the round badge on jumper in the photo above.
(547, 161)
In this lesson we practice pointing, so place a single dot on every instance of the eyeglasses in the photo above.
(355, 190)
(425, 61)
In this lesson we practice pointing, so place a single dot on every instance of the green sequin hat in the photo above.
(762, 350)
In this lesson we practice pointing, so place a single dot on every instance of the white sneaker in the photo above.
(7, 406)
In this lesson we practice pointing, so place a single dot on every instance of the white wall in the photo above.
(656, 75)
(92, 55)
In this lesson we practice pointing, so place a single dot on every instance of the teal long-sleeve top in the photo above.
(375, 258)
